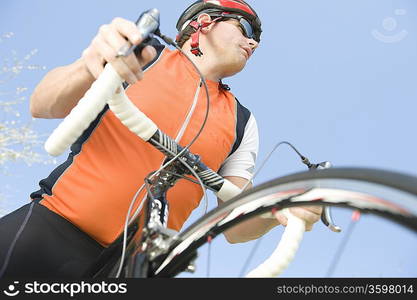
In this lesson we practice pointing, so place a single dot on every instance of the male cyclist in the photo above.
(80, 208)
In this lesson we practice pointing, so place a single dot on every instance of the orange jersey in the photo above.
(108, 163)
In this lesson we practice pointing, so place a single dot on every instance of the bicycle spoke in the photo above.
(342, 246)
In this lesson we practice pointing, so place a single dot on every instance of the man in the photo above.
(81, 206)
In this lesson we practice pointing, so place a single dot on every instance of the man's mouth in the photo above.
(248, 51)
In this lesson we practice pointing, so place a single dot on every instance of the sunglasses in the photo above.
(245, 26)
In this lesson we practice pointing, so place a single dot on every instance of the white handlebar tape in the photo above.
(85, 112)
(228, 191)
(285, 251)
(288, 245)
(131, 116)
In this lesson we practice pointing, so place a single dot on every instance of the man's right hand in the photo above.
(105, 45)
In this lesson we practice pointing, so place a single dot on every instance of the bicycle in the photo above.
(148, 248)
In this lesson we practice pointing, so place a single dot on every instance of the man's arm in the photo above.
(250, 229)
(62, 88)
(256, 227)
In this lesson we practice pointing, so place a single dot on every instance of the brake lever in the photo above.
(148, 24)
(326, 215)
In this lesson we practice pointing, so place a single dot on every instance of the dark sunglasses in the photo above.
(244, 25)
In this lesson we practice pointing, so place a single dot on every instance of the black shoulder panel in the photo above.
(242, 118)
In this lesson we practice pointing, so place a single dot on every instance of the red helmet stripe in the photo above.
(236, 4)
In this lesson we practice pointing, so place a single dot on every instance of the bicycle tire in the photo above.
(391, 195)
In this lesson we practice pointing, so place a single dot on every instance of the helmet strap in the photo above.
(195, 37)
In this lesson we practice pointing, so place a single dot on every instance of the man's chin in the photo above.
(236, 68)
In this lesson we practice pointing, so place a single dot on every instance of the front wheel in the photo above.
(387, 194)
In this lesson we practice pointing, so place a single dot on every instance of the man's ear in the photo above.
(205, 18)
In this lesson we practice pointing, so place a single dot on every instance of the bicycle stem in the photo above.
(170, 148)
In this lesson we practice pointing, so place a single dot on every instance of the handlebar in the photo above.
(85, 112)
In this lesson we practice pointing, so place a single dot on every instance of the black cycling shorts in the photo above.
(36, 242)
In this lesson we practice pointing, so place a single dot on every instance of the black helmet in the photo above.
(216, 7)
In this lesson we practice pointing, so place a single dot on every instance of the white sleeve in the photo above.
(241, 163)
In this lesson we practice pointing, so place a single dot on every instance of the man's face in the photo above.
(230, 46)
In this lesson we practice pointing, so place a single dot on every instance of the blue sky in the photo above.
(335, 78)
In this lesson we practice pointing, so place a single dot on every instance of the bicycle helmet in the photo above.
(218, 9)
